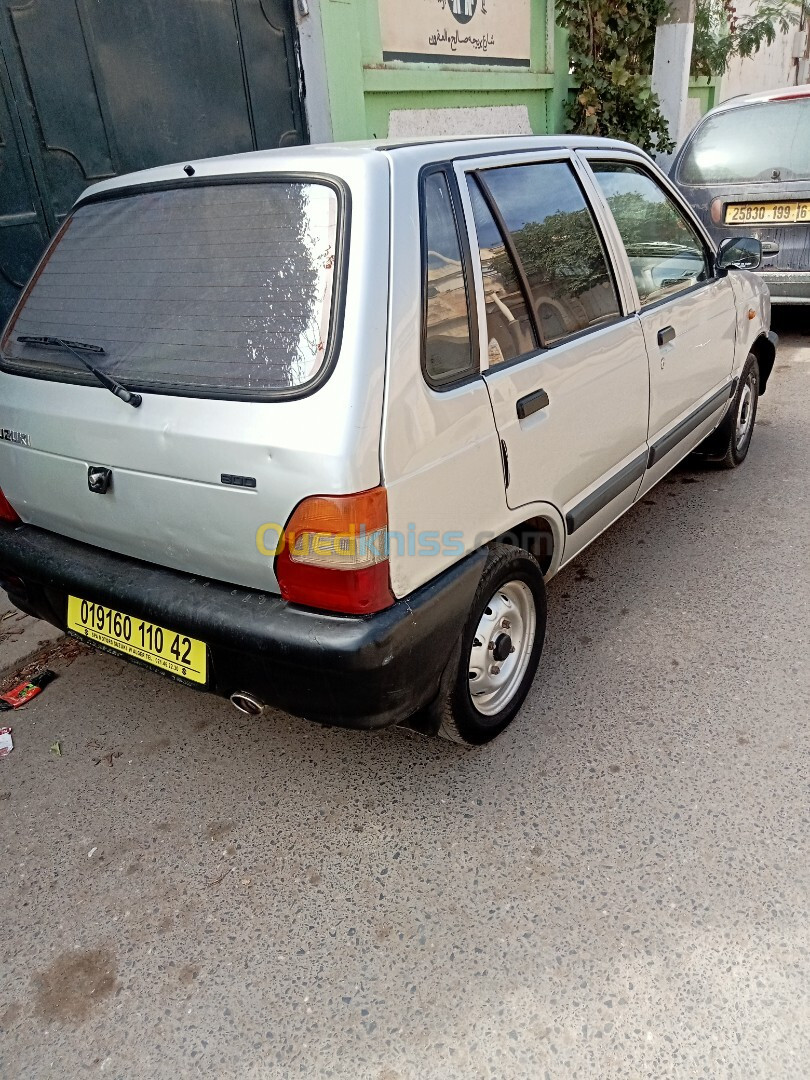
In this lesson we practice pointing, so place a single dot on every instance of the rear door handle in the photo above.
(531, 403)
(666, 335)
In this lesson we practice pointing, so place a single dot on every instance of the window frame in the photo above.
(514, 255)
(470, 169)
(445, 168)
(668, 188)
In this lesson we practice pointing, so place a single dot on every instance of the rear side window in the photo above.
(211, 289)
(666, 254)
(555, 249)
(448, 341)
(754, 144)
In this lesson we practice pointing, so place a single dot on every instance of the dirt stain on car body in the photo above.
(73, 984)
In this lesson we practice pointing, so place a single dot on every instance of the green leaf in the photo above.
(611, 48)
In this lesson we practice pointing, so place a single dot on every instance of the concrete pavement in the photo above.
(617, 887)
(20, 636)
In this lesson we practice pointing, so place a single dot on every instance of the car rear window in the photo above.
(211, 289)
(760, 143)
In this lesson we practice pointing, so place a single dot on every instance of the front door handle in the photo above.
(532, 403)
(666, 335)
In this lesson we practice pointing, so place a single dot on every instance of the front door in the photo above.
(566, 366)
(688, 316)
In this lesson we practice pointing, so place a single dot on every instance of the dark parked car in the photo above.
(746, 169)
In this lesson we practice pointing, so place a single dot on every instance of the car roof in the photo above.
(783, 94)
(337, 158)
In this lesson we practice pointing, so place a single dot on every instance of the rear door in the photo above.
(687, 314)
(566, 366)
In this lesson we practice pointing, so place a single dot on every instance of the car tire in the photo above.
(727, 447)
(487, 679)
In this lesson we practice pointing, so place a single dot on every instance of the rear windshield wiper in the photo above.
(77, 348)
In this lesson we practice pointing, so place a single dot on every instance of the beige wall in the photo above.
(772, 67)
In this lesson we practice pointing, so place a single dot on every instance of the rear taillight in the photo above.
(334, 553)
(716, 211)
(7, 511)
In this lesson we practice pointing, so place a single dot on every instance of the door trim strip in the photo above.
(669, 441)
(605, 494)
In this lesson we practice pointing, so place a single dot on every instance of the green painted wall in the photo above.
(363, 90)
(705, 92)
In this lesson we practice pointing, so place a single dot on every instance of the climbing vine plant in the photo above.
(611, 46)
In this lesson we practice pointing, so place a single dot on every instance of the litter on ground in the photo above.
(24, 691)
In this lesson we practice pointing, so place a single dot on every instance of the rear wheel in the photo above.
(728, 447)
(489, 677)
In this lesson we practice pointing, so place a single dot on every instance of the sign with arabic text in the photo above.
(456, 31)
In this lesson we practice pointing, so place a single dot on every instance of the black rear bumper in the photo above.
(355, 671)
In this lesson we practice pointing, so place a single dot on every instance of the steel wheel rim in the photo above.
(745, 411)
(509, 621)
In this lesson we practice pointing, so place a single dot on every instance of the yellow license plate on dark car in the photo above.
(176, 653)
(768, 213)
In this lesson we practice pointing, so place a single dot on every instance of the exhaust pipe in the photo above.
(246, 703)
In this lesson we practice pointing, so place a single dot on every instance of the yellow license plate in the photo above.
(768, 213)
(176, 653)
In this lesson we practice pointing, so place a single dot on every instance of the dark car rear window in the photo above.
(217, 288)
(760, 143)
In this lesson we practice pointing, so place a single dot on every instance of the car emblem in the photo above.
(99, 479)
(18, 437)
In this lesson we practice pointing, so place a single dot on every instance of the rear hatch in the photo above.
(747, 169)
(217, 303)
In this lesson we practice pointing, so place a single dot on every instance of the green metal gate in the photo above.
(93, 88)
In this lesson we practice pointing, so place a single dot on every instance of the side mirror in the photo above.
(738, 253)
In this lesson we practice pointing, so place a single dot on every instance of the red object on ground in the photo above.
(26, 690)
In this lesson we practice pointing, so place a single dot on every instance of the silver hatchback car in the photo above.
(314, 427)
(746, 169)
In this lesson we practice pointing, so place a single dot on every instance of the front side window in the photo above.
(753, 144)
(564, 267)
(448, 342)
(221, 289)
(665, 252)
